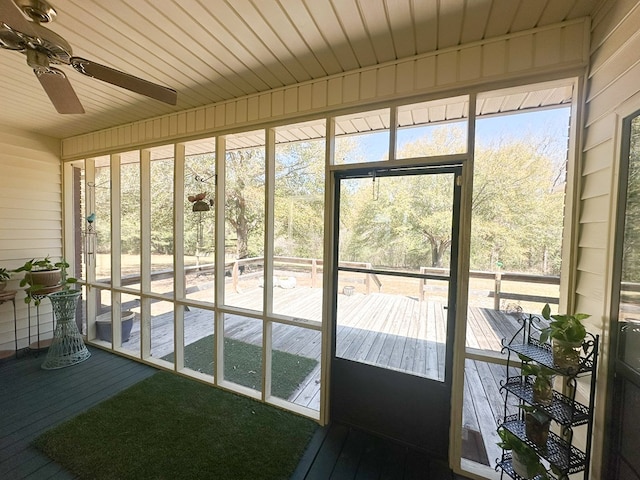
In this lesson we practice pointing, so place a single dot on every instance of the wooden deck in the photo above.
(33, 400)
(397, 332)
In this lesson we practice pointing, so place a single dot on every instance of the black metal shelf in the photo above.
(507, 467)
(541, 353)
(564, 410)
(562, 457)
(565, 457)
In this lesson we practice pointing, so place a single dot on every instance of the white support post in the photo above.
(178, 254)
(145, 253)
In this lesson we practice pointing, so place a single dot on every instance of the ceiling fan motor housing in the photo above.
(39, 11)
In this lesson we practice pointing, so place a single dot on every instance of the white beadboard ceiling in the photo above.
(214, 50)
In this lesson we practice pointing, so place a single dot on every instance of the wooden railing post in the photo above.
(496, 297)
(367, 280)
(234, 276)
(314, 272)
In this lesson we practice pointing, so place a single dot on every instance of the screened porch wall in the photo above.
(553, 51)
(30, 217)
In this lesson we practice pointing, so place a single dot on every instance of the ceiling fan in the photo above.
(43, 48)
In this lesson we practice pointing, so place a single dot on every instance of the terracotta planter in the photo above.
(44, 278)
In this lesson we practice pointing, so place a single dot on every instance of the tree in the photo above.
(244, 199)
(517, 209)
(299, 199)
(631, 245)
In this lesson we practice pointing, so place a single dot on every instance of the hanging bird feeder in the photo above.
(200, 206)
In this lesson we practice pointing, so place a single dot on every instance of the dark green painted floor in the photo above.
(33, 400)
(338, 452)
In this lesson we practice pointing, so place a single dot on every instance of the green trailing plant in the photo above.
(566, 328)
(4, 274)
(567, 333)
(43, 265)
(543, 383)
(526, 455)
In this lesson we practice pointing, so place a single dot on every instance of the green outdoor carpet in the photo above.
(243, 365)
(170, 427)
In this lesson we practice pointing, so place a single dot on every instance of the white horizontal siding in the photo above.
(613, 81)
(557, 48)
(30, 217)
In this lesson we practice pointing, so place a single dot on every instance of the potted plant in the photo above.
(44, 276)
(103, 326)
(4, 276)
(567, 334)
(537, 423)
(524, 460)
(543, 384)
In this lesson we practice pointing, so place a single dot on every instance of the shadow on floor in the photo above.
(339, 452)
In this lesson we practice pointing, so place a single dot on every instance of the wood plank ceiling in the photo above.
(217, 50)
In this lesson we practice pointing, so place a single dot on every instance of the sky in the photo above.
(542, 123)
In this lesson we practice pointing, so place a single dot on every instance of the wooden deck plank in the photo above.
(484, 413)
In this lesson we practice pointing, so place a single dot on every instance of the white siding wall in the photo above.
(533, 53)
(614, 79)
(30, 216)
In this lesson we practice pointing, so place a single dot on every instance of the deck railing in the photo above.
(236, 268)
(498, 293)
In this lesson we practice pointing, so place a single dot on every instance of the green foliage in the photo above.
(42, 265)
(406, 222)
(566, 328)
(4, 274)
(536, 412)
(517, 209)
(396, 221)
(631, 244)
(535, 369)
(508, 441)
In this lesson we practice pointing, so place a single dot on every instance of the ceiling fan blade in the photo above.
(60, 91)
(11, 16)
(124, 80)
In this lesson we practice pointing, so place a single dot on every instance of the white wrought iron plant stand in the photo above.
(67, 347)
